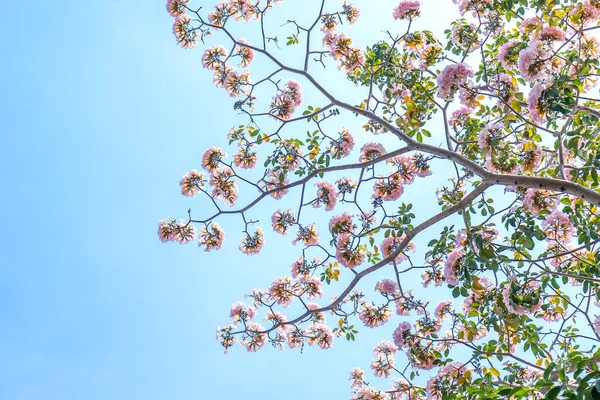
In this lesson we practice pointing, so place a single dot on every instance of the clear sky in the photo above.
(100, 115)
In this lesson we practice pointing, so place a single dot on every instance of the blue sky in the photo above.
(101, 114)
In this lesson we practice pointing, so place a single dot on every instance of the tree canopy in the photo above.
(461, 165)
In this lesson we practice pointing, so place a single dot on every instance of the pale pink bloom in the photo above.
(295, 91)
(373, 316)
(537, 200)
(212, 237)
(419, 166)
(592, 8)
(341, 223)
(452, 78)
(307, 235)
(343, 145)
(300, 267)
(291, 155)
(282, 106)
(508, 55)
(434, 277)
(451, 266)
(283, 290)
(224, 185)
(401, 335)
(251, 244)
(489, 132)
(321, 335)
(371, 151)
(254, 339)
(386, 287)
(458, 117)
(384, 363)
(295, 338)
(282, 220)
(537, 108)
(442, 310)
(192, 183)
(407, 9)
(166, 230)
(212, 158)
(529, 24)
(237, 84)
(346, 254)
(405, 169)
(311, 287)
(277, 319)
(392, 244)
(552, 313)
(245, 158)
(558, 226)
(357, 378)
(388, 189)
(551, 33)
(245, 52)
(176, 7)
(532, 61)
(214, 57)
(326, 195)
(185, 35)
(240, 312)
(351, 12)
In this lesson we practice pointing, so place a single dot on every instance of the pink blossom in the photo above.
(214, 57)
(557, 225)
(400, 335)
(240, 312)
(452, 78)
(212, 158)
(443, 308)
(326, 195)
(386, 287)
(346, 254)
(537, 109)
(254, 340)
(212, 237)
(407, 9)
(251, 244)
(532, 61)
(341, 223)
(507, 54)
(392, 244)
(321, 335)
(283, 291)
(451, 266)
(282, 220)
(311, 287)
(343, 145)
(458, 117)
(373, 316)
(308, 235)
(371, 151)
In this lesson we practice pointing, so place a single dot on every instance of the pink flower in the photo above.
(273, 183)
(245, 158)
(212, 237)
(176, 7)
(241, 312)
(407, 9)
(326, 195)
(251, 244)
(392, 244)
(508, 54)
(386, 287)
(451, 266)
(532, 61)
(388, 189)
(537, 200)
(443, 309)
(295, 91)
(373, 316)
(458, 117)
(341, 224)
(254, 339)
(307, 235)
(452, 78)
(488, 133)
(401, 335)
(551, 33)
(192, 183)
(371, 151)
(321, 335)
(346, 254)
(311, 287)
(535, 105)
(245, 52)
(214, 57)
(283, 290)
(282, 220)
(211, 159)
(342, 146)
(524, 290)
(558, 226)
(224, 185)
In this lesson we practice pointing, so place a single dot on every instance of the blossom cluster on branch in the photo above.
(511, 94)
